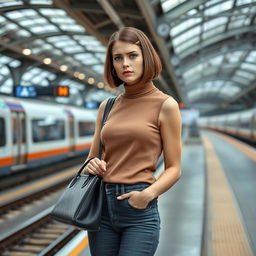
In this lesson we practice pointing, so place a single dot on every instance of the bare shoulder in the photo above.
(169, 105)
(169, 112)
(101, 110)
(103, 105)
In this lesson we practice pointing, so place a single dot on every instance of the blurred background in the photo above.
(52, 55)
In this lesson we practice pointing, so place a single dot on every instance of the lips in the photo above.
(127, 72)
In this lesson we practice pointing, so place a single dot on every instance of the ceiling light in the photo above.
(26, 51)
(47, 61)
(100, 85)
(76, 74)
(91, 80)
(81, 76)
(63, 68)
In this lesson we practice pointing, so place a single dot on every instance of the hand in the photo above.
(96, 167)
(137, 199)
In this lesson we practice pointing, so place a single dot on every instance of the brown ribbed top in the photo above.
(131, 136)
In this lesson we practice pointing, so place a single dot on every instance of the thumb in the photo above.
(123, 196)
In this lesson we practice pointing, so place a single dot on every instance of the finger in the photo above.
(92, 172)
(123, 196)
(95, 166)
(103, 164)
(95, 170)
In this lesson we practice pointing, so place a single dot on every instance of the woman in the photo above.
(142, 123)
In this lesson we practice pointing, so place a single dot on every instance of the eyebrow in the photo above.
(117, 54)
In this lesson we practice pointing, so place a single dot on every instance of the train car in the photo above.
(33, 133)
(240, 124)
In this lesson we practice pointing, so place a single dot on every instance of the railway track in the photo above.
(25, 223)
(25, 176)
(40, 235)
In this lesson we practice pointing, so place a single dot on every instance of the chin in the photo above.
(131, 81)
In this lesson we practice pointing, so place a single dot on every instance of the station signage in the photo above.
(37, 91)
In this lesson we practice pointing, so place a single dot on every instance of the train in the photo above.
(34, 133)
(240, 124)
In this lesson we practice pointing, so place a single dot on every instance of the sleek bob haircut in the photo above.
(152, 65)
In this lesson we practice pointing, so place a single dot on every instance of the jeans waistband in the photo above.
(119, 188)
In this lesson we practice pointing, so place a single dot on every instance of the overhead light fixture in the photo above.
(100, 85)
(76, 74)
(47, 61)
(63, 68)
(81, 76)
(91, 80)
(26, 51)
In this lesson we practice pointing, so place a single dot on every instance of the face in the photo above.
(127, 61)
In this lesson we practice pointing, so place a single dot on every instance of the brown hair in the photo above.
(151, 62)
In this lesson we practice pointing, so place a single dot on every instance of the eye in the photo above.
(133, 55)
(117, 58)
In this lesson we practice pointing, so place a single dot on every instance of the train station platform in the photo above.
(211, 210)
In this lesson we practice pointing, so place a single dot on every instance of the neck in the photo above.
(138, 89)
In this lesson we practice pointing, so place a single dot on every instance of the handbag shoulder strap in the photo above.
(108, 107)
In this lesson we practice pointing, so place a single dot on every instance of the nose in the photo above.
(125, 62)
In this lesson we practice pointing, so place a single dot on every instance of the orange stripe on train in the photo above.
(5, 161)
(43, 154)
(83, 146)
(37, 155)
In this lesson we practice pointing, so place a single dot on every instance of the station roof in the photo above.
(208, 48)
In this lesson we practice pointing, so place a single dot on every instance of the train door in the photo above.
(19, 146)
(71, 135)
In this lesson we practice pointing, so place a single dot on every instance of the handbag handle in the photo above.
(108, 107)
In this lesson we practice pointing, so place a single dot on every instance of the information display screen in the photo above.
(25, 91)
(35, 91)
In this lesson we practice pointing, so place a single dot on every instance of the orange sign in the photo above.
(62, 91)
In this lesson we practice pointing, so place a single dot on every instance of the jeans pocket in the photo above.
(140, 209)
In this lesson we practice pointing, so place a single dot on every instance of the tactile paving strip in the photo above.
(227, 232)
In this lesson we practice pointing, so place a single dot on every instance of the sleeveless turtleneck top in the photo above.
(131, 135)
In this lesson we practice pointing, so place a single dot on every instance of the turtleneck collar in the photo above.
(138, 89)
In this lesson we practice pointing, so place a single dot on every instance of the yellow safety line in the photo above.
(80, 247)
(36, 185)
(244, 148)
(228, 235)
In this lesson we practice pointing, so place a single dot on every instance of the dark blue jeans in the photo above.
(125, 230)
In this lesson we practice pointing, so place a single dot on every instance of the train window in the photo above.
(23, 135)
(48, 129)
(2, 132)
(244, 122)
(86, 128)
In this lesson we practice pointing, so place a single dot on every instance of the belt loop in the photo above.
(116, 186)
(122, 189)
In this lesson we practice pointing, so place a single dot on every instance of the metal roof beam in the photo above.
(94, 8)
(196, 83)
(81, 19)
(244, 44)
(237, 98)
(150, 18)
(182, 8)
(111, 13)
(217, 38)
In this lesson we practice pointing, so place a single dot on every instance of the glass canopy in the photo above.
(210, 57)
(52, 34)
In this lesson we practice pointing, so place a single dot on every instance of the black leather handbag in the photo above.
(80, 204)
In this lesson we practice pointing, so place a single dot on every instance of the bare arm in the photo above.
(96, 166)
(170, 128)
